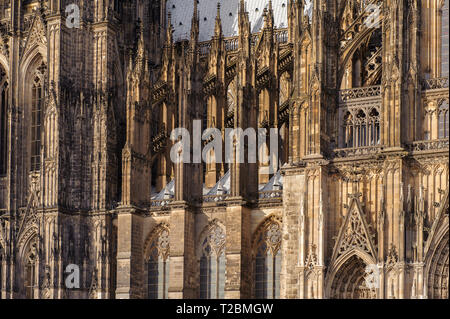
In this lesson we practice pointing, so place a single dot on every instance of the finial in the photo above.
(169, 28)
(195, 8)
(242, 7)
(218, 27)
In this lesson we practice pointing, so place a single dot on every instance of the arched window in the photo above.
(361, 122)
(348, 130)
(30, 274)
(3, 127)
(374, 127)
(158, 266)
(212, 264)
(361, 130)
(267, 263)
(443, 120)
(36, 123)
(444, 40)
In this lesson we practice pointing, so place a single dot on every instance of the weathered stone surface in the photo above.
(359, 210)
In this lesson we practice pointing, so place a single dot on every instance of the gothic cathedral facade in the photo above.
(355, 205)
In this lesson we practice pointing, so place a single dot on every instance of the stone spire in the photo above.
(268, 17)
(169, 35)
(218, 27)
(244, 22)
(195, 23)
(141, 58)
(242, 6)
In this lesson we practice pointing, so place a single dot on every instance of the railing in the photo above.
(429, 145)
(281, 36)
(359, 93)
(232, 44)
(204, 48)
(215, 198)
(435, 83)
(357, 151)
(273, 194)
(160, 202)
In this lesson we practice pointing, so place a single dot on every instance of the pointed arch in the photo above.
(266, 258)
(37, 37)
(156, 260)
(354, 234)
(33, 78)
(158, 230)
(29, 264)
(212, 260)
(354, 250)
(350, 278)
(437, 254)
(37, 103)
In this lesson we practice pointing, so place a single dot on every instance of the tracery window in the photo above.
(158, 266)
(267, 263)
(212, 264)
(37, 96)
(3, 126)
(443, 120)
(361, 129)
(30, 274)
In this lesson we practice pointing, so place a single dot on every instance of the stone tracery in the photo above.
(267, 259)
(336, 96)
(157, 263)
